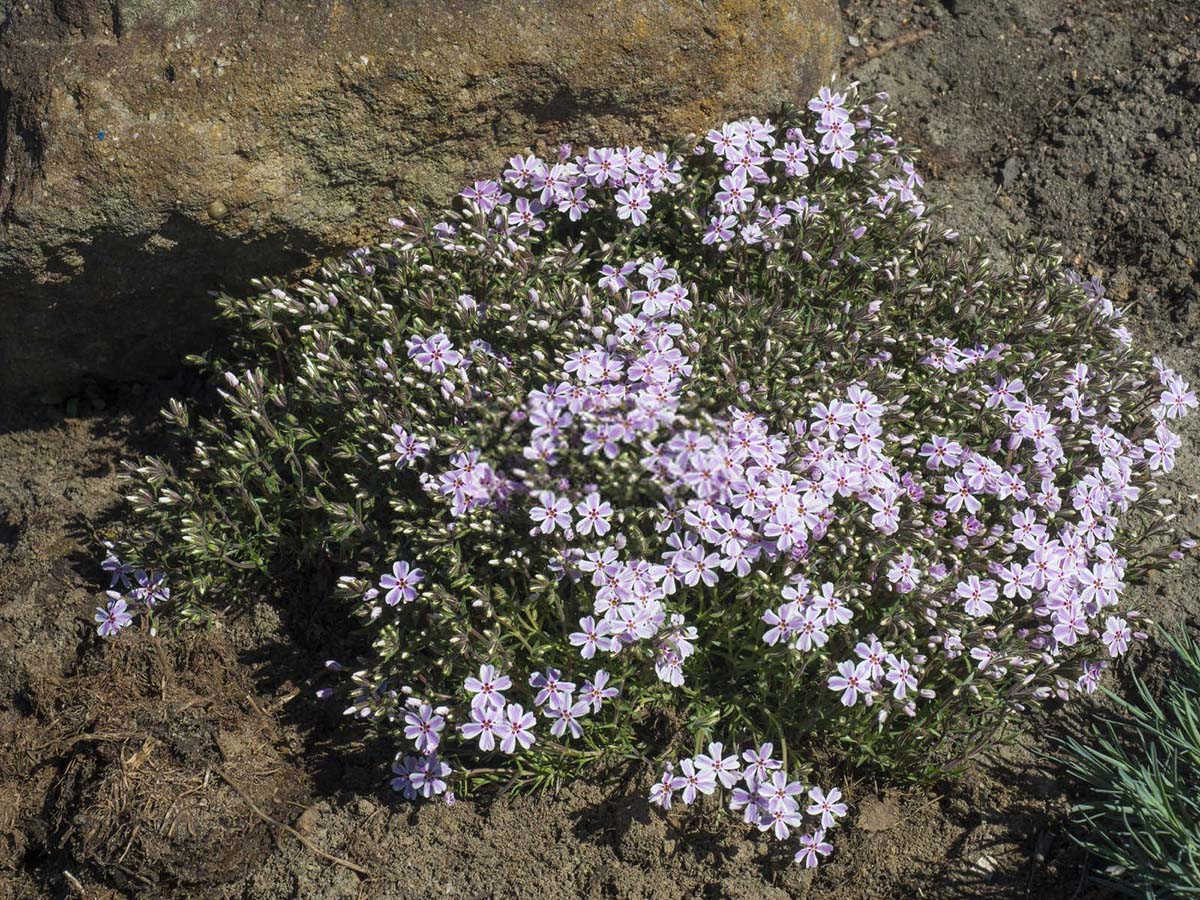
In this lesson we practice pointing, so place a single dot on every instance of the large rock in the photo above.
(152, 151)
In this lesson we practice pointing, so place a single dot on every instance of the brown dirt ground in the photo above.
(158, 769)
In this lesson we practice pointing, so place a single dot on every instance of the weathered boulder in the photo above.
(152, 151)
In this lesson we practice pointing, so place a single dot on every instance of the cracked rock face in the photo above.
(153, 151)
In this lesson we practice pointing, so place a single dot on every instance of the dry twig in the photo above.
(354, 867)
(877, 50)
(74, 882)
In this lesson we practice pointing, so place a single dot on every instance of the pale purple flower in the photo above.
(120, 571)
(1070, 624)
(433, 354)
(810, 632)
(826, 805)
(693, 780)
(1018, 580)
(658, 270)
(522, 171)
(984, 656)
(1176, 400)
(552, 512)
(575, 203)
(428, 776)
(112, 616)
(730, 138)
(784, 621)
(873, 654)
(515, 728)
(746, 800)
(486, 689)
(486, 195)
(697, 566)
(603, 165)
(851, 680)
(566, 713)
(424, 728)
(595, 691)
(720, 230)
(901, 675)
(829, 104)
(903, 572)
(401, 584)
(777, 791)
(842, 155)
(735, 194)
(759, 763)
(593, 515)
(780, 820)
(959, 495)
(525, 215)
(940, 451)
(1116, 636)
(662, 792)
(613, 278)
(1099, 584)
(726, 768)
(1089, 678)
(812, 846)
(588, 638)
(406, 447)
(633, 203)
(550, 684)
(834, 608)
(402, 783)
(150, 589)
(977, 595)
(484, 724)
(794, 159)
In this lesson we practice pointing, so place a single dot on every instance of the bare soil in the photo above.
(142, 768)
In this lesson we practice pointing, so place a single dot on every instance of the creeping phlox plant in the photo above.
(719, 446)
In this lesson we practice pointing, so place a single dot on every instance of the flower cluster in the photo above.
(760, 790)
(146, 589)
(717, 443)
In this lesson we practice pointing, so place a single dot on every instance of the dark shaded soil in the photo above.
(152, 768)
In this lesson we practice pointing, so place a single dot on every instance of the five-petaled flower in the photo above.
(434, 354)
(401, 583)
(486, 690)
(424, 728)
(484, 724)
(112, 616)
(593, 515)
(693, 780)
(826, 805)
(515, 728)
(813, 846)
(551, 512)
(852, 680)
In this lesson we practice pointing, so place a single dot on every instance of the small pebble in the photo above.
(986, 864)
(1010, 172)
(307, 820)
(217, 210)
(884, 30)
(854, 41)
